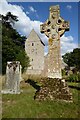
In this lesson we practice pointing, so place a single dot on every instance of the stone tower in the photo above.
(54, 28)
(34, 48)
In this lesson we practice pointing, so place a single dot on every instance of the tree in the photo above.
(9, 19)
(12, 44)
(73, 58)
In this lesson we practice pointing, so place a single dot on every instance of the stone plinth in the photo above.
(53, 89)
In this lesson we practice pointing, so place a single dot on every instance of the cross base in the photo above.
(54, 75)
(53, 89)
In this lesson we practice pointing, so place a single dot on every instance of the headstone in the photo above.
(54, 28)
(13, 77)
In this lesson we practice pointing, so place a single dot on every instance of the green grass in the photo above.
(24, 106)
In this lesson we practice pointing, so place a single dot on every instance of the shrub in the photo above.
(63, 72)
(74, 77)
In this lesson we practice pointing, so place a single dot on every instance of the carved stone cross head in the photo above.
(55, 26)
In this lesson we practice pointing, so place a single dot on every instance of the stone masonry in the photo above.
(34, 48)
(54, 28)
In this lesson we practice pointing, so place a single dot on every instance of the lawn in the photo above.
(24, 106)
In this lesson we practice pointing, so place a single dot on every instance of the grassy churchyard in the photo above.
(24, 106)
(21, 48)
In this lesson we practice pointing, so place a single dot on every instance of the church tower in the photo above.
(34, 48)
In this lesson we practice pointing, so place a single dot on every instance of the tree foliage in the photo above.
(9, 19)
(73, 58)
(12, 43)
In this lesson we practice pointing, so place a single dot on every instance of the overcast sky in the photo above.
(32, 14)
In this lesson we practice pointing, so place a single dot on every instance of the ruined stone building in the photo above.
(34, 48)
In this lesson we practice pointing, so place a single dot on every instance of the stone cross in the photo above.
(54, 28)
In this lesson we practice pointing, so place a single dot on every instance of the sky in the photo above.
(32, 14)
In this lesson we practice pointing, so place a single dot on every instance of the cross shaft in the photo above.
(54, 28)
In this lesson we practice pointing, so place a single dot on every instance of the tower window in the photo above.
(32, 59)
(32, 44)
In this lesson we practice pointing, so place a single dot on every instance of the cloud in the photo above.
(69, 7)
(25, 25)
(22, 7)
(32, 9)
(67, 44)
(27, 13)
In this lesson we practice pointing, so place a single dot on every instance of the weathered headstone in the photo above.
(13, 77)
(54, 28)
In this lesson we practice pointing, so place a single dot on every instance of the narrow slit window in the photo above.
(32, 44)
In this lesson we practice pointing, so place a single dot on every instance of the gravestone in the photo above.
(53, 86)
(54, 28)
(13, 78)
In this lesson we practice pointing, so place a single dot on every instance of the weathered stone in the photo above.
(53, 89)
(13, 78)
(54, 28)
(34, 47)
